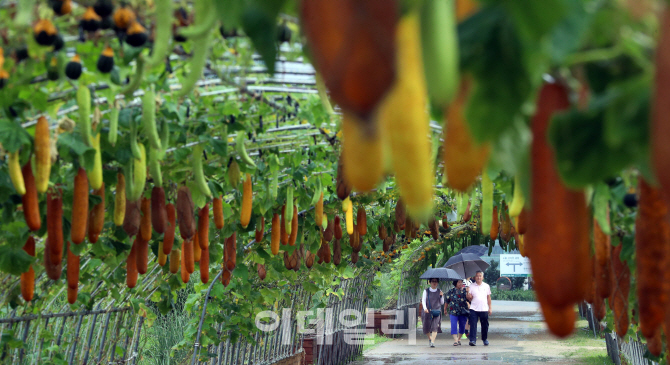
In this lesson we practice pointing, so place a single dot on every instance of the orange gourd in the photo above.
(31, 209)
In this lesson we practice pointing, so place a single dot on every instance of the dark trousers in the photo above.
(483, 317)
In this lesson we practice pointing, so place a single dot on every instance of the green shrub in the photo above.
(386, 288)
(516, 295)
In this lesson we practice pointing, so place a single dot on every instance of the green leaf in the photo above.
(14, 261)
(628, 248)
(76, 144)
(150, 315)
(260, 24)
(217, 290)
(510, 150)
(229, 12)
(534, 19)
(241, 271)
(348, 273)
(135, 303)
(263, 254)
(215, 187)
(8, 339)
(219, 147)
(582, 155)
(492, 52)
(627, 103)
(14, 234)
(199, 200)
(175, 282)
(315, 242)
(310, 287)
(12, 135)
(268, 295)
(568, 35)
(94, 200)
(38, 97)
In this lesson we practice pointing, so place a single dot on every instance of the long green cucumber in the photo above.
(165, 138)
(113, 126)
(487, 204)
(242, 151)
(149, 118)
(163, 21)
(155, 167)
(317, 192)
(288, 217)
(134, 146)
(136, 81)
(321, 88)
(95, 175)
(439, 44)
(139, 173)
(274, 183)
(200, 52)
(198, 173)
(84, 104)
(518, 200)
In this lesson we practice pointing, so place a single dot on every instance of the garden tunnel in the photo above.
(171, 169)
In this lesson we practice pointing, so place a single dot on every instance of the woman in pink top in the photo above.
(480, 308)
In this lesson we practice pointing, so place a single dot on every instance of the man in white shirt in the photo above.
(480, 308)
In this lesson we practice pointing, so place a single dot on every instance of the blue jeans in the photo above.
(460, 320)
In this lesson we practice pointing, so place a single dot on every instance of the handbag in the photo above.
(433, 312)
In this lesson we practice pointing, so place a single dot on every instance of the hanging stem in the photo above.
(594, 55)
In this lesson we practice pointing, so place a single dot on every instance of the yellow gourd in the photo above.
(349, 215)
(403, 117)
(362, 153)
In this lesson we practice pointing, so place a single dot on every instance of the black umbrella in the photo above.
(441, 273)
(477, 250)
(466, 264)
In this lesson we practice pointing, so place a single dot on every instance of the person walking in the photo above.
(480, 309)
(457, 304)
(432, 301)
(466, 284)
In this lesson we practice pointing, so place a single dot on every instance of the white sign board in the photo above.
(514, 265)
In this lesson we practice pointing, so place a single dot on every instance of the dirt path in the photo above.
(517, 335)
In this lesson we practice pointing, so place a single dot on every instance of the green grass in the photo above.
(159, 339)
(376, 340)
(585, 348)
(584, 337)
(596, 360)
(166, 332)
